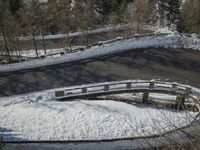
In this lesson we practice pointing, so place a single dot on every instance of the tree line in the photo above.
(29, 18)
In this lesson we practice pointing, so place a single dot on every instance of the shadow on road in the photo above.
(165, 64)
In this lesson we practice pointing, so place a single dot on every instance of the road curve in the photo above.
(178, 65)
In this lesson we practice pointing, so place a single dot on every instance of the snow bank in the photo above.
(38, 116)
(174, 40)
(85, 120)
(161, 30)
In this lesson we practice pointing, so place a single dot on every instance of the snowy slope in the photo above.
(85, 120)
(170, 41)
(38, 116)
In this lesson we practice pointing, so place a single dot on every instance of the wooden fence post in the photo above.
(84, 90)
(59, 93)
(145, 97)
(106, 88)
(128, 85)
(151, 85)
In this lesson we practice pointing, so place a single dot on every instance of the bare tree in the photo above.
(190, 15)
(43, 25)
(140, 12)
(63, 18)
(30, 14)
(84, 18)
(9, 30)
(128, 18)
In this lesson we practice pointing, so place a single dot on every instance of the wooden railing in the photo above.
(131, 86)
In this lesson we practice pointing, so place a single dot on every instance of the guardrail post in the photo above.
(106, 88)
(128, 85)
(151, 85)
(145, 97)
(174, 88)
(59, 93)
(84, 90)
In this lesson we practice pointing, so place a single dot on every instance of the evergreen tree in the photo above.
(107, 7)
(15, 5)
(168, 11)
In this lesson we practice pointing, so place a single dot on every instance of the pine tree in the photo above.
(168, 11)
(15, 6)
(107, 7)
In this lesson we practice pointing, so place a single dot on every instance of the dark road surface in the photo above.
(171, 64)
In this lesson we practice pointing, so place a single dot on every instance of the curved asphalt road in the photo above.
(171, 64)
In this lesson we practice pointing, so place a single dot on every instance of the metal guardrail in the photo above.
(136, 36)
(129, 37)
(140, 142)
(181, 92)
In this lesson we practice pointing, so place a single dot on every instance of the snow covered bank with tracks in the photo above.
(173, 40)
(38, 116)
(85, 120)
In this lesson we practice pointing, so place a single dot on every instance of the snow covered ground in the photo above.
(49, 52)
(174, 40)
(38, 116)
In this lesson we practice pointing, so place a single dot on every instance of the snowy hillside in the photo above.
(38, 116)
(174, 40)
(85, 120)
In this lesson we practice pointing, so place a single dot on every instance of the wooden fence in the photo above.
(181, 92)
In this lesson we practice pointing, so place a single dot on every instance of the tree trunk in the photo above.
(138, 26)
(6, 46)
(18, 49)
(35, 44)
(43, 41)
(83, 35)
(87, 38)
(198, 27)
(69, 41)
